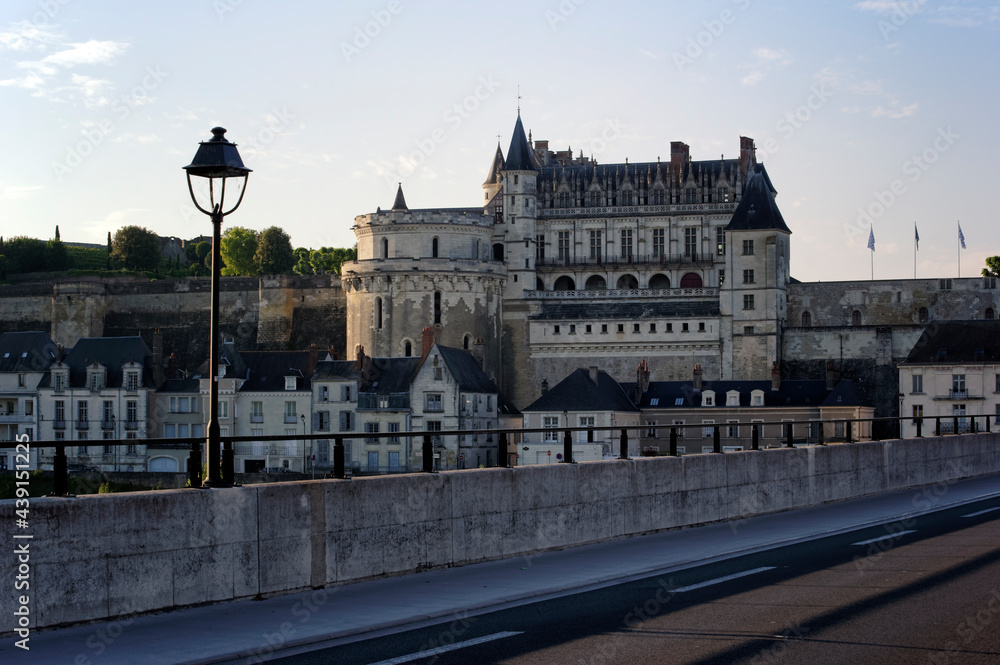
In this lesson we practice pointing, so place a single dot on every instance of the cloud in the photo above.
(765, 60)
(14, 192)
(137, 138)
(894, 111)
(47, 76)
(906, 7)
(966, 15)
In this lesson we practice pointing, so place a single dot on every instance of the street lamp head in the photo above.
(218, 161)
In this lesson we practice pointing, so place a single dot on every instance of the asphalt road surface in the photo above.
(924, 590)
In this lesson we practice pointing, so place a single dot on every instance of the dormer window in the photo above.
(59, 381)
(96, 378)
(290, 383)
(733, 398)
(131, 381)
(757, 398)
(708, 398)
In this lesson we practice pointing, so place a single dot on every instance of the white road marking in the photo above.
(885, 537)
(720, 580)
(982, 512)
(451, 647)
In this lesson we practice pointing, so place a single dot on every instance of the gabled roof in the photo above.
(266, 370)
(26, 352)
(467, 372)
(112, 353)
(519, 154)
(496, 168)
(757, 210)
(336, 370)
(400, 203)
(797, 393)
(577, 392)
(957, 342)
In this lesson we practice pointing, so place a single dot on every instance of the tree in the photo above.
(56, 256)
(25, 254)
(202, 251)
(238, 248)
(992, 268)
(136, 248)
(274, 252)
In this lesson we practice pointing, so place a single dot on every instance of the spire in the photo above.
(495, 168)
(519, 154)
(400, 203)
(757, 209)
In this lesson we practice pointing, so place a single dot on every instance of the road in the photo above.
(923, 590)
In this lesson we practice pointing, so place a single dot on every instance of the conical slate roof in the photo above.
(495, 168)
(757, 210)
(400, 202)
(519, 154)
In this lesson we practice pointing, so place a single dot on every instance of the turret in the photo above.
(520, 179)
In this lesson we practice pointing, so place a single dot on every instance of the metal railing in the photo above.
(793, 434)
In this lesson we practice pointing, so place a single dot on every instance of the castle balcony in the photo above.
(645, 261)
(611, 294)
(16, 419)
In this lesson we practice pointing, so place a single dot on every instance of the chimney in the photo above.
(545, 386)
(748, 155)
(641, 380)
(478, 352)
(775, 377)
(427, 341)
(832, 376)
(360, 362)
(697, 377)
(593, 375)
(313, 358)
(679, 154)
(157, 357)
(333, 352)
(173, 371)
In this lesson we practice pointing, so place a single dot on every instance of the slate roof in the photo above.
(960, 341)
(334, 370)
(578, 393)
(26, 352)
(386, 376)
(495, 168)
(626, 309)
(798, 393)
(112, 352)
(400, 202)
(519, 155)
(267, 370)
(467, 372)
(180, 386)
(612, 177)
(757, 209)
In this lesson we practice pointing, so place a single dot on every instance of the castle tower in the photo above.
(753, 299)
(520, 178)
(420, 269)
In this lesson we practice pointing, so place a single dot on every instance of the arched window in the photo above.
(378, 313)
(539, 285)
(923, 315)
(565, 283)
(498, 252)
(407, 348)
(437, 307)
(807, 319)
(691, 280)
(855, 318)
(628, 282)
(434, 248)
(596, 283)
(990, 314)
(465, 341)
(385, 248)
(659, 281)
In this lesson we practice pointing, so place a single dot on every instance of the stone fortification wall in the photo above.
(269, 313)
(102, 556)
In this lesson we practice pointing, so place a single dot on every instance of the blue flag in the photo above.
(916, 236)
(961, 236)
(871, 239)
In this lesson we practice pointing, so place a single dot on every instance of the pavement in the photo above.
(252, 631)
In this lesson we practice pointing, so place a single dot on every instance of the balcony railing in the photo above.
(257, 418)
(290, 418)
(131, 424)
(58, 424)
(82, 424)
(637, 260)
(107, 424)
(958, 394)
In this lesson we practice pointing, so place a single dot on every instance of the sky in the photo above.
(870, 116)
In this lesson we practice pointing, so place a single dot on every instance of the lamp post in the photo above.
(217, 160)
(302, 417)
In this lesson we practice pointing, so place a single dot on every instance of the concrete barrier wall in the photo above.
(97, 557)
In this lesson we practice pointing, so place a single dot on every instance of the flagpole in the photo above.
(915, 236)
(873, 265)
